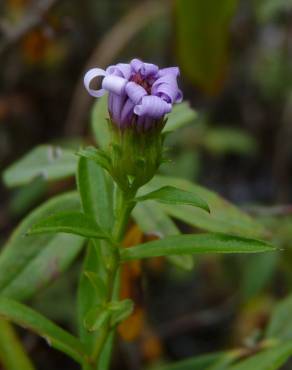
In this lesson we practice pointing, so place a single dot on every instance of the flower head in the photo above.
(140, 94)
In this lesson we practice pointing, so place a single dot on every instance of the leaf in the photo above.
(172, 195)
(203, 362)
(97, 283)
(95, 189)
(71, 222)
(28, 264)
(193, 244)
(151, 219)
(32, 320)
(270, 359)
(121, 310)
(96, 155)
(181, 115)
(257, 273)
(96, 318)
(202, 34)
(280, 326)
(99, 122)
(12, 353)
(224, 216)
(45, 161)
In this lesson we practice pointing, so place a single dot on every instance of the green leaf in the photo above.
(71, 222)
(202, 34)
(224, 216)
(121, 310)
(151, 219)
(172, 195)
(96, 192)
(203, 362)
(96, 318)
(96, 155)
(12, 353)
(45, 161)
(97, 283)
(28, 264)
(54, 335)
(270, 359)
(257, 273)
(181, 115)
(280, 326)
(99, 122)
(195, 244)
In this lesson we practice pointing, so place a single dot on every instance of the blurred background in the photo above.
(235, 58)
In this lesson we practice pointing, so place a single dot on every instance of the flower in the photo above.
(140, 94)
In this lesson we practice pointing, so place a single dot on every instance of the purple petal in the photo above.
(89, 76)
(135, 92)
(169, 92)
(121, 69)
(116, 104)
(127, 111)
(152, 106)
(114, 84)
(136, 64)
(170, 70)
(146, 69)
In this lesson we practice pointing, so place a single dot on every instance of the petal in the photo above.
(152, 106)
(136, 64)
(114, 84)
(168, 92)
(89, 76)
(168, 79)
(127, 111)
(170, 70)
(135, 92)
(116, 104)
(146, 69)
(120, 69)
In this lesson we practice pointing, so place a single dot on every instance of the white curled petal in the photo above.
(114, 84)
(91, 75)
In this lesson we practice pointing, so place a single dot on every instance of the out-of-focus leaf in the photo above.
(45, 161)
(270, 359)
(173, 195)
(266, 10)
(71, 222)
(202, 34)
(203, 362)
(257, 272)
(55, 336)
(27, 264)
(12, 353)
(224, 217)
(227, 140)
(195, 244)
(280, 326)
(27, 196)
(151, 219)
(99, 122)
(181, 115)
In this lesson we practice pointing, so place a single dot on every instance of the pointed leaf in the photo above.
(69, 222)
(96, 155)
(97, 283)
(55, 336)
(193, 244)
(121, 310)
(151, 219)
(28, 264)
(172, 195)
(45, 161)
(96, 318)
(280, 326)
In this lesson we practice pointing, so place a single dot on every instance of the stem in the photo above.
(124, 207)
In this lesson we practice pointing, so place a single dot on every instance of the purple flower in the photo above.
(139, 93)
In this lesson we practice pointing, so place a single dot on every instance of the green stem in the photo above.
(124, 207)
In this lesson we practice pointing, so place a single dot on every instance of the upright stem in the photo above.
(124, 206)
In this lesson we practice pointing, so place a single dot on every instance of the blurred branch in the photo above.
(33, 18)
(109, 47)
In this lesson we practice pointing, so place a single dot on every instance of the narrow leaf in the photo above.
(152, 219)
(12, 353)
(97, 283)
(45, 161)
(96, 318)
(280, 326)
(69, 222)
(54, 335)
(193, 244)
(28, 264)
(270, 359)
(173, 195)
(96, 155)
(121, 310)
